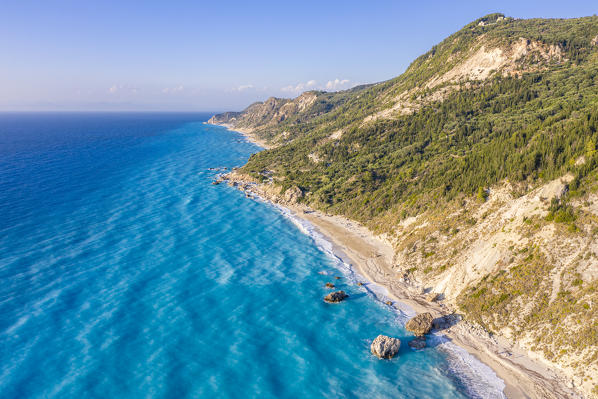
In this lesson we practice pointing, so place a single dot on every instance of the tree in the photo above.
(482, 194)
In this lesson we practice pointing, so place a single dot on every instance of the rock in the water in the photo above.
(336, 296)
(360, 283)
(337, 277)
(329, 285)
(389, 303)
(420, 324)
(417, 343)
(385, 347)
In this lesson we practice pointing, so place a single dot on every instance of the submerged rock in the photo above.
(420, 324)
(329, 285)
(417, 343)
(385, 347)
(336, 296)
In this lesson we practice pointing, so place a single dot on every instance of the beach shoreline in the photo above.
(372, 258)
(247, 133)
(521, 375)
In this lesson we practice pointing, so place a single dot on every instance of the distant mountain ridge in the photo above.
(479, 163)
(273, 112)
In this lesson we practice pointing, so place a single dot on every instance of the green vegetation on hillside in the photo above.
(527, 128)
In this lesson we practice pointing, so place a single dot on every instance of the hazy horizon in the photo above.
(187, 57)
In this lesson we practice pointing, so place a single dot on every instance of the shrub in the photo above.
(482, 195)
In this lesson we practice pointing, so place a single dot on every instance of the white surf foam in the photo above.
(479, 380)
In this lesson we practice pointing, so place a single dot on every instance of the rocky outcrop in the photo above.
(293, 194)
(420, 324)
(329, 285)
(385, 347)
(335, 297)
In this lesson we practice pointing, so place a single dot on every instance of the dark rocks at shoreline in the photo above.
(385, 347)
(219, 179)
(417, 343)
(420, 324)
(335, 297)
(446, 321)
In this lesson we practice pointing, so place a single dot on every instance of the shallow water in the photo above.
(126, 273)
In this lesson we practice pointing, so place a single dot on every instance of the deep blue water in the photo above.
(126, 274)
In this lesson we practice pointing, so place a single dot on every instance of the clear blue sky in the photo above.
(220, 55)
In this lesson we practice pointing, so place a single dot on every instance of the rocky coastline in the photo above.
(524, 376)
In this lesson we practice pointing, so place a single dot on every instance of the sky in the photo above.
(220, 55)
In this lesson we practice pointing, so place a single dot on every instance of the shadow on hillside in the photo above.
(445, 322)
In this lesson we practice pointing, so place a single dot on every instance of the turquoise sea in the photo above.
(126, 274)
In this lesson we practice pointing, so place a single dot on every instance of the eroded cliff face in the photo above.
(472, 66)
(507, 266)
(266, 114)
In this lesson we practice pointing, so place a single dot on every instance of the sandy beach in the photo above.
(372, 257)
(248, 134)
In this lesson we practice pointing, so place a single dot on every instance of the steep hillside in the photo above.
(479, 164)
(267, 119)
